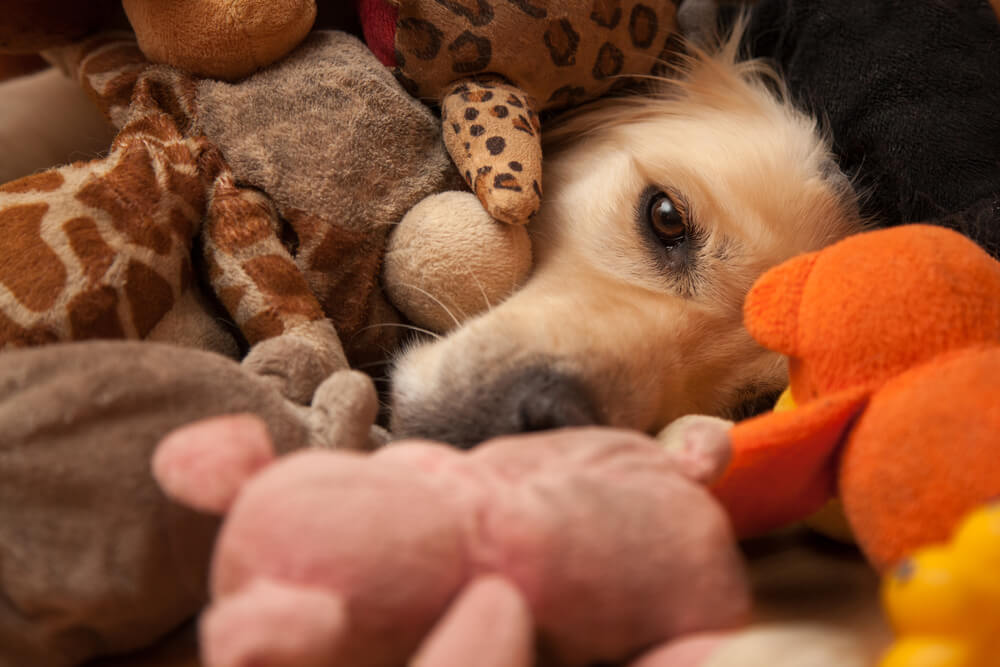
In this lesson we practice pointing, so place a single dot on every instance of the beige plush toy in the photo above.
(448, 260)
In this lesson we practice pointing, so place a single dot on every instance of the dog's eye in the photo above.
(666, 221)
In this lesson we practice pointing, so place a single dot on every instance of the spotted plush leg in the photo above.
(263, 290)
(492, 132)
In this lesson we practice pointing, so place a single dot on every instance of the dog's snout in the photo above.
(530, 399)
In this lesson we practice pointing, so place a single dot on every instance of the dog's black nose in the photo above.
(536, 398)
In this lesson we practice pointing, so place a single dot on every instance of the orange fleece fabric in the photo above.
(893, 338)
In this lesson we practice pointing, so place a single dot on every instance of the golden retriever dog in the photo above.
(660, 211)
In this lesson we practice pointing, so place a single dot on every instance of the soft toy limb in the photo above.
(343, 412)
(204, 464)
(489, 625)
(267, 296)
(699, 446)
(269, 624)
(224, 40)
(492, 132)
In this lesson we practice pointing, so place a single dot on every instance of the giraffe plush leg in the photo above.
(258, 283)
(492, 132)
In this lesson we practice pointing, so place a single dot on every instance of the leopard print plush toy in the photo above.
(495, 64)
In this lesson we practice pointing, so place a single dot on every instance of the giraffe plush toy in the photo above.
(493, 66)
(291, 236)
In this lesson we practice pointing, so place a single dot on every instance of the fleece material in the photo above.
(95, 558)
(893, 338)
(344, 153)
(909, 90)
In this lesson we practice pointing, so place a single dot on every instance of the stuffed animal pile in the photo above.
(282, 199)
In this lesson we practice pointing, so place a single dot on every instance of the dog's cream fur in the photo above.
(648, 342)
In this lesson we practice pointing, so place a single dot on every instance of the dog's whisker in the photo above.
(482, 290)
(436, 300)
(400, 325)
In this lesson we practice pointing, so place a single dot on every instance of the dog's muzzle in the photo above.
(536, 398)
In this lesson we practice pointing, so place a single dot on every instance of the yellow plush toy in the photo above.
(944, 602)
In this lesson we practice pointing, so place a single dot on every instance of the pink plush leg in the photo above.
(273, 625)
(204, 464)
(489, 625)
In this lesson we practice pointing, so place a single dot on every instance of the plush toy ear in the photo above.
(204, 464)
(771, 309)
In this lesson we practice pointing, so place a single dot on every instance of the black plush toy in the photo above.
(910, 90)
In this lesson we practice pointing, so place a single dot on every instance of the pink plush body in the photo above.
(588, 545)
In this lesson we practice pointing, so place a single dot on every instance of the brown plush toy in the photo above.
(493, 66)
(96, 560)
(219, 39)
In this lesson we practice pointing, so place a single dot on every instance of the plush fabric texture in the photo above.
(894, 340)
(478, 261)
(538, 529)
(909, 89)
(494, 65)
(219, 38)
(344, 153)
(95, 559)
(292, 236)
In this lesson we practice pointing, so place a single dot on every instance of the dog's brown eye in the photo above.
(666, 220)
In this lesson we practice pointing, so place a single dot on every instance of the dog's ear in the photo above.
(771, 309)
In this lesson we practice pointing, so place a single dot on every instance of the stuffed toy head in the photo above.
(893, 340)
(215, 39)
(494, 66)
(568, 541)
(219, 39)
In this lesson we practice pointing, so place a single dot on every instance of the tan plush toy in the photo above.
(448, 260)
(494, 65)
(219, 39)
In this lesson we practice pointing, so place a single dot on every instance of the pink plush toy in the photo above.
(573, 547)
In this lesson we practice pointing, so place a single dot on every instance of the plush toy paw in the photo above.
(491, 130)
(448, 260)
(219, 39)
(945, 600)
(296, 362)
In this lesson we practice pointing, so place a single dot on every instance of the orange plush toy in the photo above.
(893, 339)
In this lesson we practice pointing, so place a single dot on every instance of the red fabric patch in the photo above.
(378, 21)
